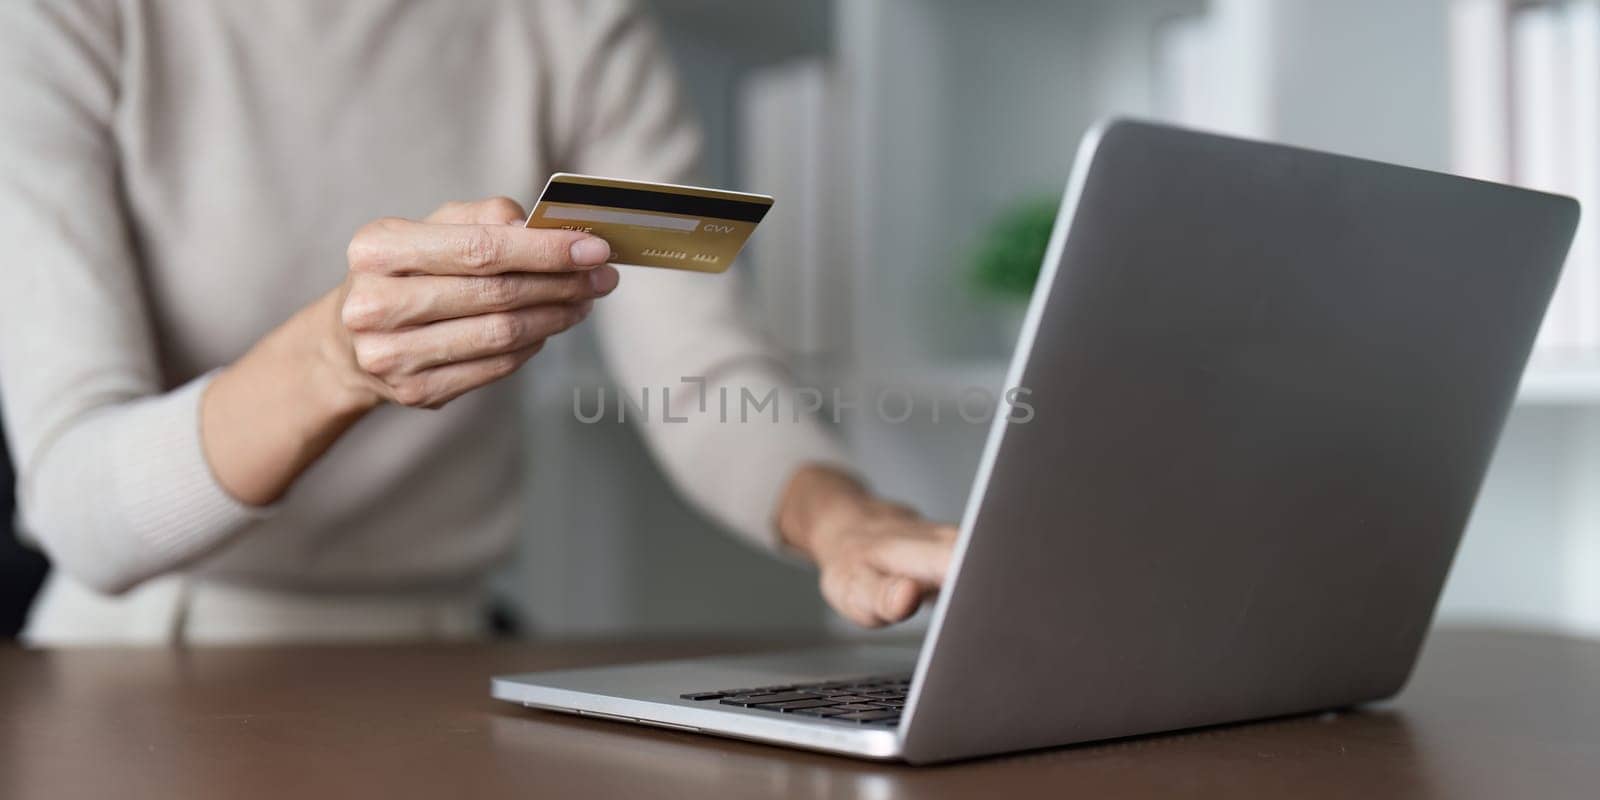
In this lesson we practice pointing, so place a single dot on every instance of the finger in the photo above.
(876, 599)
(405, 247)
(866, 589)
(900, 598)
(922, 558)
(438, 386)
(384, 302)
(468, 338)
(489, 211)
(851, 592)
(409, 352)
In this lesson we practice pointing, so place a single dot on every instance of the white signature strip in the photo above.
(583, 214)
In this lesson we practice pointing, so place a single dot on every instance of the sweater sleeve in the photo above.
(735, 431)
(112, 481)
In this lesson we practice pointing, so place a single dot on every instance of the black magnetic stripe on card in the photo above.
(644, 200)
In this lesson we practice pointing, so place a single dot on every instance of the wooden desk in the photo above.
(1490, 715)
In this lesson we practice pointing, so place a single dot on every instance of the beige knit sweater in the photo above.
(178, 177)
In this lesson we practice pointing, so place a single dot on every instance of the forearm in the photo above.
(268, 416)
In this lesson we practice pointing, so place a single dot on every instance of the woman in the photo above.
(212, 389)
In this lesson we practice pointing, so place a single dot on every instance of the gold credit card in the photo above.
(653, 224)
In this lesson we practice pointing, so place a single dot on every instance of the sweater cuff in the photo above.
(174, 504)
(765, 456)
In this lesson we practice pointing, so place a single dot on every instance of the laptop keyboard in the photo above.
(865, 701)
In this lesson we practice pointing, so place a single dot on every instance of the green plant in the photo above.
(1006, 261)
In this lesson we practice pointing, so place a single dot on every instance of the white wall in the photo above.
(1512, 565)
(1531, 554)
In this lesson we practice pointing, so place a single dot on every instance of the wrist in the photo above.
(266, 417)
(817, 502)
(323, 348)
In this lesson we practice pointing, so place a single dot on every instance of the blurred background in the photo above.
(917, 149)
(897, 134)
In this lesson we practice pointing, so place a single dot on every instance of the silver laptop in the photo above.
(1267, 383)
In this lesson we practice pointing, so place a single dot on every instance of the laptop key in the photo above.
(765, 699)
(857, 707)
(703, 695)
(820, 711)
(875, 715)
(797, 705)
(848, 698)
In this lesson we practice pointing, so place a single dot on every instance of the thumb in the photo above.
(923, 560)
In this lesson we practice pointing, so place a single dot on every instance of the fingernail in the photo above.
(604, 279)
(590, 251)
